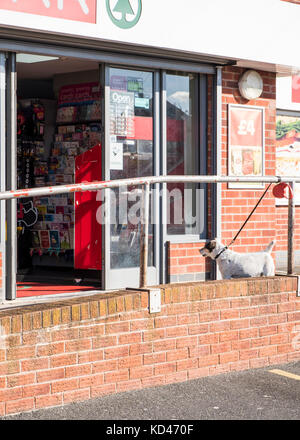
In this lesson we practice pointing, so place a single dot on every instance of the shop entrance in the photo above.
(79, 122)
(59, 129)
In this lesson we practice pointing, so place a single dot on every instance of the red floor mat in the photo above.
(37, 289)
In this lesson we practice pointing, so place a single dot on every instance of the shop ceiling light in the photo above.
(29, 58)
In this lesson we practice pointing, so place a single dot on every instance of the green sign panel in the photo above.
(142, 103)
(128, 17)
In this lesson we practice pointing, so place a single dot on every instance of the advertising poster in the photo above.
(76, 93)
(122, 113)
(288, 151)
(246, 144)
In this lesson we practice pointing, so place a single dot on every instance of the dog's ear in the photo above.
(210, 246)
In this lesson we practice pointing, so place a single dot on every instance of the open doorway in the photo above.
(59, 130)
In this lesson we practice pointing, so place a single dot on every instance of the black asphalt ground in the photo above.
(257, 394)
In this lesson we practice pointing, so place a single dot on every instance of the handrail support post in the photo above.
(144, 237)
(291, 230)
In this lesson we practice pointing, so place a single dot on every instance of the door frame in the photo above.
(3, 173)
(11, 177)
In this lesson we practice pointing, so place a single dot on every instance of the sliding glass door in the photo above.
(155, 125)
(130, 152)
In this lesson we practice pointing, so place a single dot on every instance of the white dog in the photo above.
(236, 265)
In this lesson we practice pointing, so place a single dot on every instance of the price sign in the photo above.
(246, 143)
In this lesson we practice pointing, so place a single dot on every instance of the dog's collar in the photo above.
(221, 252)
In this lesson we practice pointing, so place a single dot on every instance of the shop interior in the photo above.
(58, 134)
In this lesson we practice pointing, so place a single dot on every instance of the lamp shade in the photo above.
(251, 85)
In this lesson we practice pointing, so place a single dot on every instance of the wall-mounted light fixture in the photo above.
(251, 85)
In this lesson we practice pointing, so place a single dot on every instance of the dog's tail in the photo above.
(270, 246)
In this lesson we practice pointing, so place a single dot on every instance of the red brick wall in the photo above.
(238, 203)
(184, 259)
(269, 221)
(71, 350)
(281, 226)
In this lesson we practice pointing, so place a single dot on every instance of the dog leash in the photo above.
(244, 224)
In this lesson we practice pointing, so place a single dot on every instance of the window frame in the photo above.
(200, 135)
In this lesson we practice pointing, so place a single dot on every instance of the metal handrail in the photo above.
(98, 185)
(145, 182)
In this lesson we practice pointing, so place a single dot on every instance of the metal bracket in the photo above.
(154, 300)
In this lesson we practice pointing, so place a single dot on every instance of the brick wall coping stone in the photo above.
(43, 315)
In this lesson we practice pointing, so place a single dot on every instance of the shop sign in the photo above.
(118, 82)
(77, 10)
(135, 85)
(246, 143)
(124, 13)
(79, 93)
(296, 89)
(142, 103)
